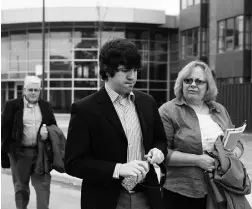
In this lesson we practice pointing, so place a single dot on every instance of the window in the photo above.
(4, 90)
(143, 74)
(248, 32)
(139, 34)
(234, 33)
(11, 90)
(183, 4)
(229, 39)
(158, 71)
(204, 38)
(195, 42)
(183, 45)
(18, 41)
(221, 35)
(60, 100)
(18, 46)
(85, 69)
(34, 38)
(4, 54)
(80, 33)
(60, 69)
(189, 2)
(60, 45)
(190, 43)
(239, 23)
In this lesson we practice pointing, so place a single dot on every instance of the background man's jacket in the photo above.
(12, 125)
(51, 152)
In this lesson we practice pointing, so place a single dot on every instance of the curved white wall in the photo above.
(171, 7)
(84, 14)
(89, 14)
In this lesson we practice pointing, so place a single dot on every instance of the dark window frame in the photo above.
(236, 34)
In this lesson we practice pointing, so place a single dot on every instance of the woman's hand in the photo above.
(206, 162)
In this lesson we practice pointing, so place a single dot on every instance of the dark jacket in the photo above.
(183, 134)
(229, 182)
(51, 152)
(58, 142)
(96, 142)
(12, 125)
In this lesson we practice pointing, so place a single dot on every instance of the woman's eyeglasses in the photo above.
(197, 81)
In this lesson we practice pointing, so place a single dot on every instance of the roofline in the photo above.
(89, 14)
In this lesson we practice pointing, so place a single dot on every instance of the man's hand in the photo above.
(155, 156)
(135, 168)
(43, 132)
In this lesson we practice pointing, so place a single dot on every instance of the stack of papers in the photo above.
(232, 135)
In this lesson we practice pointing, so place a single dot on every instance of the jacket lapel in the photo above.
(18, 121)
(43, 111)
(109, 111)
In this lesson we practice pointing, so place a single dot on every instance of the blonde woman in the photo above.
(192, 122)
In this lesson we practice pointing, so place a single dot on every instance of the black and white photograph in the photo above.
(126, 104)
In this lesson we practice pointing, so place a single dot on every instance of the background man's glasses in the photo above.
(34, 90)
(197, 81)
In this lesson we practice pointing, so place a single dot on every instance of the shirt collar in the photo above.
(27, 104)
(211, 104)
(180, 101)
(115, 96)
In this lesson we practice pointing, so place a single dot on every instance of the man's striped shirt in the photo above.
(127, 114)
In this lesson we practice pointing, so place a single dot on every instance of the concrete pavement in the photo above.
(61, 195)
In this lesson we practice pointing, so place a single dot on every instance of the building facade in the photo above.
(220, 33)
(73, 37)
(216, 32)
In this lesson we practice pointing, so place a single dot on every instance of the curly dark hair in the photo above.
(118, 52)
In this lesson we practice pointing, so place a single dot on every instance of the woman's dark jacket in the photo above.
(229, 182)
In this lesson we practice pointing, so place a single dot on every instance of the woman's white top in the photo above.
(209, 131)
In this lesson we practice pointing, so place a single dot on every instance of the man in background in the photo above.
(24, 122)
